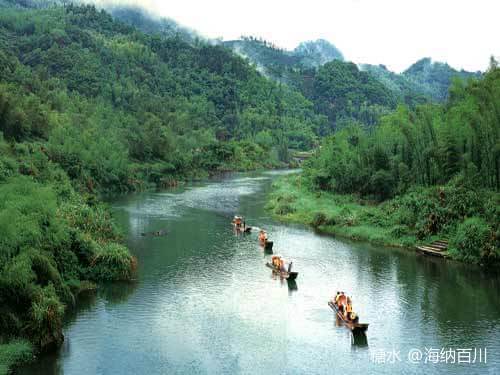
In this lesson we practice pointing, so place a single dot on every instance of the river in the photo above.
(204, 303)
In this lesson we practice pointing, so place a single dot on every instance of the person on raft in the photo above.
(344, 305)
(262, 236)
(239, 222)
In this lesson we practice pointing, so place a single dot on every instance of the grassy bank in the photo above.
(15, 353)
(336, 214)
(467, 218)
(54, 243)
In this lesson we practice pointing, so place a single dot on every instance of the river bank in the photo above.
(206, 303)
(416, 218)
(54, 245)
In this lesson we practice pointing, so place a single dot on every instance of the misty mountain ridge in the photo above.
(423, 81)
(318, 52)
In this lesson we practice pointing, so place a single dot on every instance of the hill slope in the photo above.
(159, 101)
(434, 78)
(279, 63)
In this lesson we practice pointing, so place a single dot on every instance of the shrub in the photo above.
(14, 352)
(112, 262)
(473, 242)
(318, 219)
(45, 325)
(399, 231)
(283, 208)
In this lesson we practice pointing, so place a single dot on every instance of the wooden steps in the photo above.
(437, 248)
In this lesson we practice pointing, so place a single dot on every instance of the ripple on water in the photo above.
(205, 302)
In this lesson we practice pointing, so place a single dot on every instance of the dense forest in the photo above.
(145, 106)
(343, 91)
(89, 104)
(433, 171)
(92, 104)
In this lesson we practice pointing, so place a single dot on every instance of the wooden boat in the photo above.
(355, 328)
(284, 274)
(242, 229)
(437, 248)
(156, 233)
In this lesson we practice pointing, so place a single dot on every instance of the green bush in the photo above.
(318, 219)
(284, 208)
(13, 353)
(112, 262)
(473, 242)
(45, 325)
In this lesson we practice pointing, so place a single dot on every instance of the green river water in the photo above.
(204, 303)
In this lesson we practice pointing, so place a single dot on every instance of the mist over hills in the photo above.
(424, 80)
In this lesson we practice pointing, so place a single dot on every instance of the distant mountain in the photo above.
(343, 93)
(434, 78)
(280, 63)
(268, 58)
(404, 89)
(150, 23)
(317, 53)
(423, 81)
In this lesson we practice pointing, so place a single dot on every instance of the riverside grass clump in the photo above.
(53, 244)
(467, 217)
(13, 353)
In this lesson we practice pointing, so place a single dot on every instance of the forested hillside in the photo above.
(346, 95)
(280, 63)
(434, 78)
(151, 24)
(145, 106)
(342, 91)
(90, 104)
(433, 171)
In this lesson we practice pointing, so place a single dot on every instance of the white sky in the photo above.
(464, 33)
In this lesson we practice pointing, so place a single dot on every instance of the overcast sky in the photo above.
(464, 33)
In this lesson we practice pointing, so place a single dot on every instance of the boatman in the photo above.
(237, 221)
(348, 311)
(262, 236)
(336, 299)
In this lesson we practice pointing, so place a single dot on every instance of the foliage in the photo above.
(341, 91)
(431, 145)
(422, 214)
(473, 242)
(49, 238)
(434, 78)
(13, 353)
(105, 97)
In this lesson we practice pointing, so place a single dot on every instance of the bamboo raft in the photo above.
(355, 328)
(437, 248)
(284, 274)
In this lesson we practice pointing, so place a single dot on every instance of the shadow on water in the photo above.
(360, 340)
(292, 286)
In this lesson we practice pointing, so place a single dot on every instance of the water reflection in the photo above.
(360, 340)
(205, 302)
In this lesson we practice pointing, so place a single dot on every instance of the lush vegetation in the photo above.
(90, 104)
(14, 353)
(338, 89)
(432, 171)
(433, 79)
(404, 89)
(345, 94)
(53, 244)
(119, 107)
